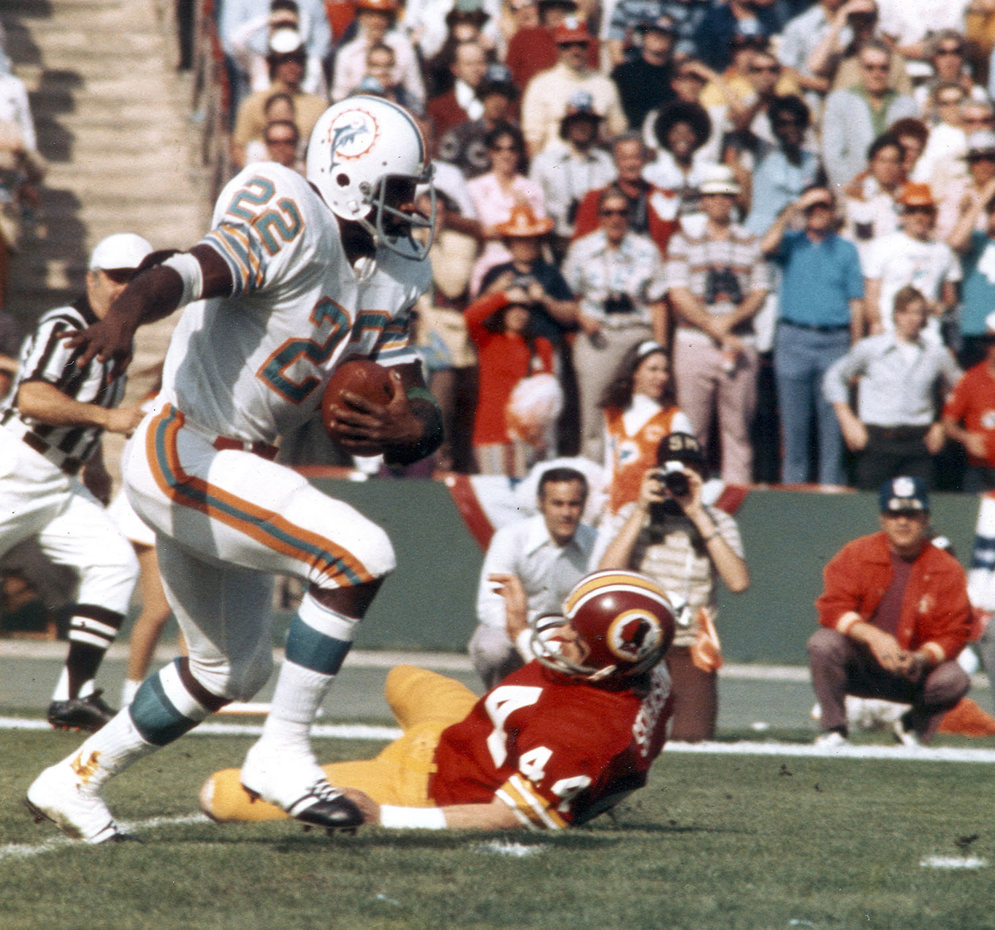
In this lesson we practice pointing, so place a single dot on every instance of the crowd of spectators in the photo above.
(747, 183)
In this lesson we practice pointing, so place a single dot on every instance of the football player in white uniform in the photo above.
(299, 275)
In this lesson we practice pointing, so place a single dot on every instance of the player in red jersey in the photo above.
(554, 744)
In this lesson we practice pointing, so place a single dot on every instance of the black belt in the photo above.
(66, 463)
(897, 432)
(811, 327)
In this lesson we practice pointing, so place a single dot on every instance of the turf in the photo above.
(714, 842)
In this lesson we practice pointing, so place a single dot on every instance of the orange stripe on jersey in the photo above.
(266, 527)
(237, 245)
(604, 579)
(529, 806)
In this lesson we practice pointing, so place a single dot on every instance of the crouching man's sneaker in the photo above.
(907, 737)
(299, 787)
(831, 739)
(89, 713)
(60, 794)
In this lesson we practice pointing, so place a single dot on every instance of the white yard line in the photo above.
(362, 731)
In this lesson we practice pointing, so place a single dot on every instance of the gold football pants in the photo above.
(423, 703)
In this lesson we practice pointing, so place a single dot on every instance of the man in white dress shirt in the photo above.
(548, 552)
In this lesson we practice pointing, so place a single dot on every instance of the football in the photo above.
(361, 377)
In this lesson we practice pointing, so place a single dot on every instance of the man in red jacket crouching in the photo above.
(894, 615)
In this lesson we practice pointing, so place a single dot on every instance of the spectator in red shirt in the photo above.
(969, 416)
(532, 49)
(501, 326)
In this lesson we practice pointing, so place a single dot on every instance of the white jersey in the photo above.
(253, 366)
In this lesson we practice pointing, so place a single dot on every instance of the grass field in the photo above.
(716, 841)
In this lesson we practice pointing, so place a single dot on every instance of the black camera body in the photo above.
(672, 477)
(617, 302)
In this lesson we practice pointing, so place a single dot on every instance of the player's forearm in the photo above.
(618, 553)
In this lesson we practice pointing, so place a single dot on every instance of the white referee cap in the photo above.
(122, 250)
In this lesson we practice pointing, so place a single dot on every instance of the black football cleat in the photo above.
(323, 806)
(89, 713)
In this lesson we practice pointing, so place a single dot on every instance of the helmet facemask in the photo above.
(392, 225)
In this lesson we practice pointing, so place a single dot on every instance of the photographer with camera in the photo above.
(686, 546)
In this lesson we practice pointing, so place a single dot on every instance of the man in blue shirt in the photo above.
(821, 315)
(977, 255)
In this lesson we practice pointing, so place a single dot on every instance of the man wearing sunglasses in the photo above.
(547, 96)
(856, 116)
(911, 255)
(50, 428)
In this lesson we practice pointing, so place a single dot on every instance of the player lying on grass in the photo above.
(556, 743)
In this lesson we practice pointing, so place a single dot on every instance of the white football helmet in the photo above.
(366, 156)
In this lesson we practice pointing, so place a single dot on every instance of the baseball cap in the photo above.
(579, 107)
(658, 24)
(384, 6)
(497, 80)
(680, 447)
(122, 251)
(463, 10)
(571, 30)
(370, 85)
(718, 179)
(748, 32)
(903, 493)
(914, 194)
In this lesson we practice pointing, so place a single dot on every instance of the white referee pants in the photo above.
(71, 526)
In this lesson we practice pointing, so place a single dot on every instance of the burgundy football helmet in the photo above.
(625, 619)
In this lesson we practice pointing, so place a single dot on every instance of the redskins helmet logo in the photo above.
(352, 134)
(633, 634)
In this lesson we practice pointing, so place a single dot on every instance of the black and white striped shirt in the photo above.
(45, 357)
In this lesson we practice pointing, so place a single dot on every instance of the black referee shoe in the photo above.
(89, 713)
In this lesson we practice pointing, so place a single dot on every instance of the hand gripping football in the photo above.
(361, 377)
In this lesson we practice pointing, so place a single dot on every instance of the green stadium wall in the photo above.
(428, 603)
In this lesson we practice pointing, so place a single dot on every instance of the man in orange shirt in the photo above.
(969, 416)
(894, 615)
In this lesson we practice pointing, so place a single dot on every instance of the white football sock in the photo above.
(128, 690)
(110, 751)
